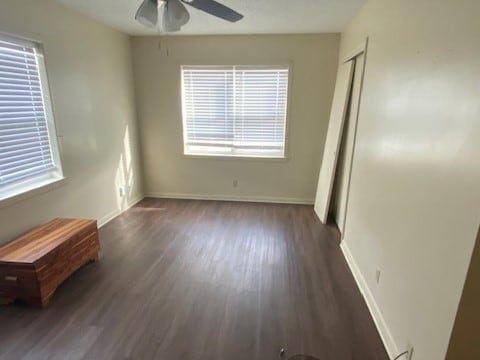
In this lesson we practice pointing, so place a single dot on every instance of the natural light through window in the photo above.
(235, 110)
(29, 155)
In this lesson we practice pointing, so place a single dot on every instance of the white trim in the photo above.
(36, 189)
(358, 50)
(275, 200)
(380, 323)
(108, 217)
(104, 220)
(237, 158)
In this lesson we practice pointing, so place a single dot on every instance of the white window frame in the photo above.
(31, 185)
(238, 154)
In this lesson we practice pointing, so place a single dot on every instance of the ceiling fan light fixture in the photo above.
(175, 15)
(147, 13)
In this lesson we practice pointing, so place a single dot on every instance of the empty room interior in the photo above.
(239, 180)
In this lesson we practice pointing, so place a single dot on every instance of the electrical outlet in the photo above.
(235, 183)
(378, 273)
(121, 191)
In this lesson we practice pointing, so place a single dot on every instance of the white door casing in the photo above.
(332, 143)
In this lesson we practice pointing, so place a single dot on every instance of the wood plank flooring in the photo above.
(181, 279)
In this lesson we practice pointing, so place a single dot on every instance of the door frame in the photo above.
(359, 50)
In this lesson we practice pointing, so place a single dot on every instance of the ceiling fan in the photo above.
(175, 15)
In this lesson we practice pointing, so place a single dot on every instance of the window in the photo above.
(29, 155)
(235, 110)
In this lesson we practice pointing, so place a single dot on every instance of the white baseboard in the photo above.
(382, 327)
(276, 200)
(114, 213)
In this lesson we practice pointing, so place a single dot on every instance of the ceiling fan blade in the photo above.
(216, 9)
(147, 13)
(174, 16)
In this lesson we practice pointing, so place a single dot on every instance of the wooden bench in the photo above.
(34, 265)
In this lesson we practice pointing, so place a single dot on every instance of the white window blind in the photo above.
(235, 110)
(24, 137)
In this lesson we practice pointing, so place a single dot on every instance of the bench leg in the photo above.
(45, 301)
(94, 257)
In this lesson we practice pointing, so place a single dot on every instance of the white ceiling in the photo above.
(261, 16)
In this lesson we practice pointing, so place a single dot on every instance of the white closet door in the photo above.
(341, 187)
(334, 135)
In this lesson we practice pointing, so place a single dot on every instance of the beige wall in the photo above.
(91, 82)
(414, 198)
(157, 74)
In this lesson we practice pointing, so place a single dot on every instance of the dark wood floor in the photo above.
(192, 280)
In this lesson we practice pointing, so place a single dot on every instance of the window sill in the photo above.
(236, 157)
(8, 198)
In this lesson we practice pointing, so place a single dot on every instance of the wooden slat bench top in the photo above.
(35, 264)
(39, 242)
